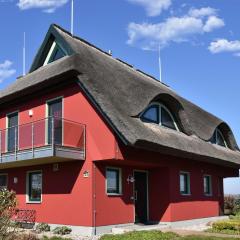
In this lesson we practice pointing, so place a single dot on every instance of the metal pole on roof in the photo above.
(72, 16)
(24, 54)
(160, 63)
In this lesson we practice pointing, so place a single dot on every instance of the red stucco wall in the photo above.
(68, 196)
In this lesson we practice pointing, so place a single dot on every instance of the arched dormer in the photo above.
(159, 114)
(218, 138)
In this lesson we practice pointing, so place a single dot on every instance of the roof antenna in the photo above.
(160, 62)
(72, 17)
(24, 54)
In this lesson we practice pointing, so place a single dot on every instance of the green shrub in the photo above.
(8, 205)
(226, 225)
(43, 227)
(62, 230)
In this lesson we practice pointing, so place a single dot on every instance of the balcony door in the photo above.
(12, 132)
(55, 126)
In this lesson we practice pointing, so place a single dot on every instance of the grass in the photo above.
(225, 231)
(157, 235)
(55, 238)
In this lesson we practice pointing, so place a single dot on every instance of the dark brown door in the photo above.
(55, 122)
(141, 196)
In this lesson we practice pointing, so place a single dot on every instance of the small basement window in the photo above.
(185, 183)
(34, 185)
(218, 138)
(207, 184)
(159, 114)
(3, 181)
(114, 181)
(55, 53)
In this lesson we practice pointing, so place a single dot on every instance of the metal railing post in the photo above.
(15, 142)
(84, 142)
(53, 134)
(32, 140)
(1, 146)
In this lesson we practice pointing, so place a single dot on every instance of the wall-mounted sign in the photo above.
(15, 180)
(86, 174)
(55, 167)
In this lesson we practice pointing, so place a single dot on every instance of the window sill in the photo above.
(186, 194)
(114, 194)
(33, 202)
(208, 195)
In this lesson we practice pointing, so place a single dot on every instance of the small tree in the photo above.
(8, 205)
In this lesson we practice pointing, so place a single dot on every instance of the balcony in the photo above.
(45, 141)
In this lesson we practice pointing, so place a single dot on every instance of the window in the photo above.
(34, 186)
(185, 183)
(218, 138)
(113, 181)
(207, 184)
(54, 54)
(3, 181)
(159, 114)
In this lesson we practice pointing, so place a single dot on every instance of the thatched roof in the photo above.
(121, 93)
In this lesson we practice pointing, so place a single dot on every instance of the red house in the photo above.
(90, 142)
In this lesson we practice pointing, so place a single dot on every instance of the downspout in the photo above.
(94, 201)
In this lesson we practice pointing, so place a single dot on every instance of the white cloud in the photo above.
(153, 7)
(174, 29)
(202, 12)
(5, 70)
(212, 23)
(224, 45)
(48, 6)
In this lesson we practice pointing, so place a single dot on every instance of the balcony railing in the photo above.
(38, 136)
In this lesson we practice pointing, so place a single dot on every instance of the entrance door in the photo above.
(55, 115)
(141, 196)
(12, 133)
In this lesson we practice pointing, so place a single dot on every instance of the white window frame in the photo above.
(4, 187)
(160, 105)
(218, 131)
(119, 180)
(27, 187)
(189, 183)
(7, 125)
(210, 185)
(47, 117)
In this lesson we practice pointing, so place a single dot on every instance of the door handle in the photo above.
(136, 195)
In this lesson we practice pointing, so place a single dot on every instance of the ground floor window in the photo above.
(3, 181)
(34, 186)
(113, 181)
(207, 183)
(184, 183)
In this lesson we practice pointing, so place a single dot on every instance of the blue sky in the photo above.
(200, 44)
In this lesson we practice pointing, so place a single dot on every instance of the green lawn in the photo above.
(157, 235)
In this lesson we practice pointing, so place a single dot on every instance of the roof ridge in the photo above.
(126, 64)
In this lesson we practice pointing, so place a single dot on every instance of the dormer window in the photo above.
(218, 138)
(54, 53)
(159, 114)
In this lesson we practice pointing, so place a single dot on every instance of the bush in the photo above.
(55, 238)
(229, 204)
(25, 237)
(62, 230)
(226, 225)
(8, 205)
(43, 227)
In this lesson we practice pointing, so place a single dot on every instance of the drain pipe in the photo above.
(94, 201)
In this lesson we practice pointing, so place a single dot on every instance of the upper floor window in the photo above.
(159, 114)
(218, 138)
(54, 54)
